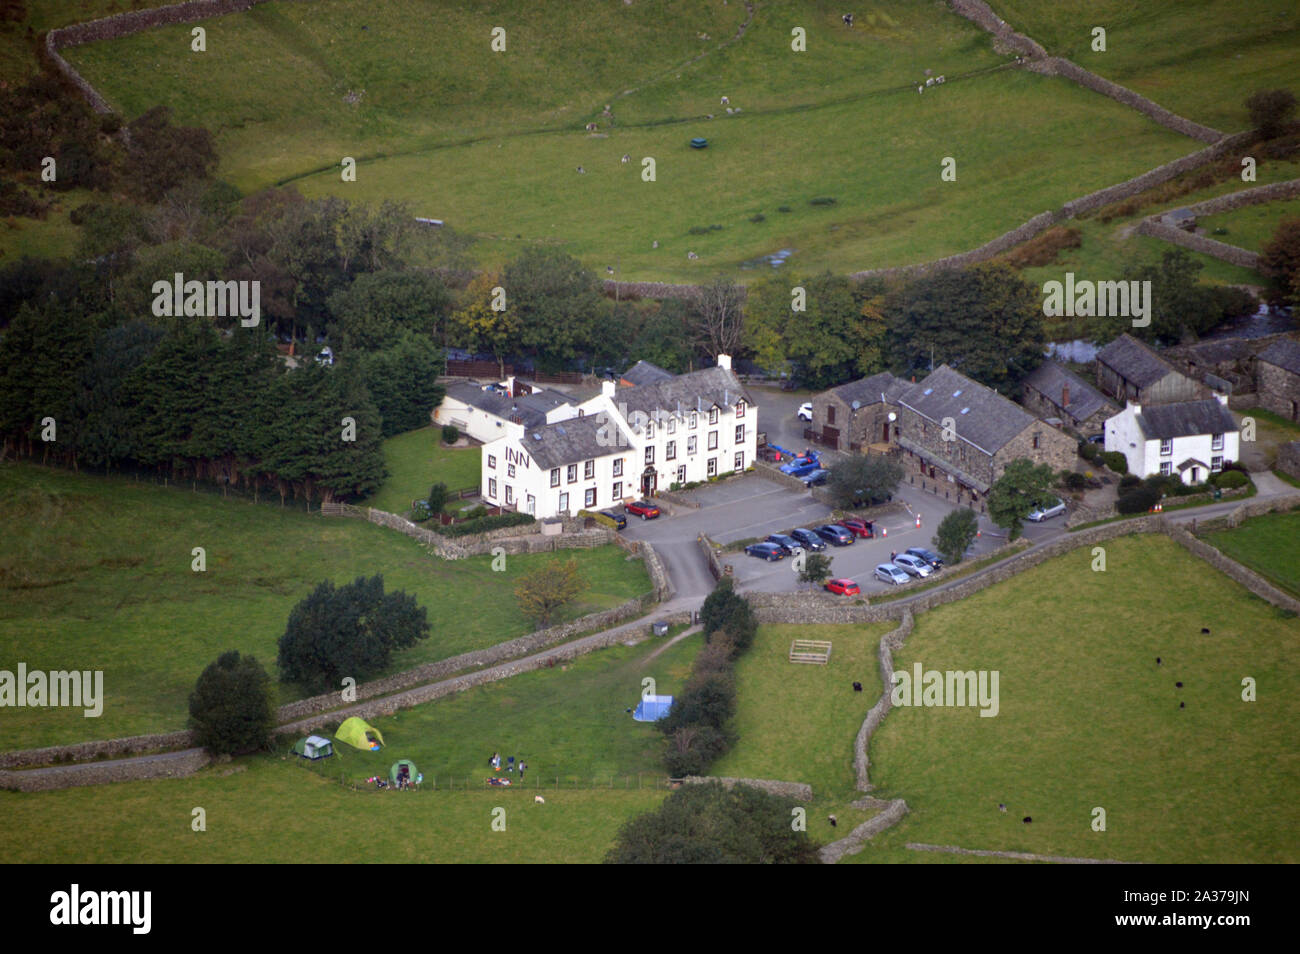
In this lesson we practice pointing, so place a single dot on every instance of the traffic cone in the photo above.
(918, 521)
(884, 531)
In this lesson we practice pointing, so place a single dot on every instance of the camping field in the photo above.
(496, 152)
(1088, 719)
(84, 586)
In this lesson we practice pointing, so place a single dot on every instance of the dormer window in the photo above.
(740, 409)
(713, 415)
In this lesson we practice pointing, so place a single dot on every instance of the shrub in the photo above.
(783, 208)
(760, 217)
(603, 519)
(1073, 480)
(708, 699)
(450, 433)
(1129, 481)
(691, 749)
(1089, 451)
(486, 523)
(1230, 479)
(822, 200)
(955, 534)
(231, 709)
(1115, 461)
(1138, 500)
(420, 511)
(545, 590)
(437, 499)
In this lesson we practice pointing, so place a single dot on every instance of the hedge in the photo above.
(484, 524)
(1115, 461)
(1230, 479)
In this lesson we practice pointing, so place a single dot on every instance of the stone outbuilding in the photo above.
(1128, 370)
(1053, 392)
(858, 414)
(1277, 378)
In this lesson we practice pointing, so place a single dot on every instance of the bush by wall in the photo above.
(1230, 479)
(484, 524)
(1115, 461)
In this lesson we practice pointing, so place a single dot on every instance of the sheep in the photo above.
(726, 100)
(654, 244)
(848, 20)
(920, 89)
(691, 255)
(582, 170)
(592, 127)
(539, 800)
(930, 81)
(626, 157)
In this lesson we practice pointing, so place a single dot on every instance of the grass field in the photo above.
(1088, 719)
(479, 140)
(1269, 545)
(416, 461)
(1253, 226)
(1199, 58)
(568, 722)
(96, 574)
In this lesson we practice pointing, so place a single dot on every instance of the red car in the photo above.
(859, 528)
(844, 587)
(643, 509)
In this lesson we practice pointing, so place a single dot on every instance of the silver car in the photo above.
(913, 566)
(1051, 509)
(891, 574)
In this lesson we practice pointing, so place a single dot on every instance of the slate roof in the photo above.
(527, 409)
(983, 417)
(574, 440)
(1134, 361)
(1221, 351)
(643, 372)
(698, 390)
(1050, 379)
(1185, 419)
(1284, 353)
(869, 390)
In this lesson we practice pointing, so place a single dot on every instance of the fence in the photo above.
(534, 783)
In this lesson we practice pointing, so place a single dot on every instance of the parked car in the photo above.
(1097, 439)
(815, 478)
(858, 527)
(805, 411)
(891, 574)
(834, 534)
(912, 565)
(643, 509)
(619, 519)
(801, 466)
(765, 551)
(790, 545)
(843, 587)
(929, 556)
(1053, 508)
(809, 539)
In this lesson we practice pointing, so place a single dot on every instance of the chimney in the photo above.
(724, 361)
(1065, 395)
(607, 388)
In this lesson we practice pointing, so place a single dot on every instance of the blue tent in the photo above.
(652, 708)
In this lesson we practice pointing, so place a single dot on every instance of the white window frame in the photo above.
(1216, 464)
(571, 472)
(672, 424)
(617, 495)
(1167, 447)
(1166, 468)
(650, 455)
(510, 494)
(1216, 442)
(713, 440)
(492, 461)
(670, 451)
(589, 497)
(713, 415)
(740, 460)
(618, 467)
(740, 433)
(695, 419)
(681, 474)
(713, 467)
(492, 488)
(564, 502)
(555, 477)
(588, 469)
(690, 446)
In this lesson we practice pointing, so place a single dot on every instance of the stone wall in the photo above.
(1008, 40)
(1288, 459)
(124, 24)
(889, 643)
(1279, 389)
(101, 749)
(170, 765)
(795, 790)
(712, 556)
(1233, 254)
(851, 844)
(658, 573)
(1242, 574)
(774, 473)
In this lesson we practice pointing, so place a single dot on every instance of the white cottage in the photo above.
(1192, 439)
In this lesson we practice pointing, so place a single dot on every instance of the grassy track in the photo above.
(96, 574)
(1253, 226)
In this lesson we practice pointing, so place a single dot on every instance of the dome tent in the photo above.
(359, 734)
(396, 769)
(313, 747)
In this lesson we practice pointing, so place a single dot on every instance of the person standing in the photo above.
(522, 766)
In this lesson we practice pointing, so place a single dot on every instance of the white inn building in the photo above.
(1192, 439)
(626, 442)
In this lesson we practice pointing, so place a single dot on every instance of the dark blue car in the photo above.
(835, 534)
(808, 540)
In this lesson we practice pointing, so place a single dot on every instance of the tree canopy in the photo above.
(232, 709)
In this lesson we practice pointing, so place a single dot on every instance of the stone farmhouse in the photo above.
(1128, 370)
(946, 428)
(858, 414)
(1058, 396)
(625, 442)
(1192, 439)
(1277, 378)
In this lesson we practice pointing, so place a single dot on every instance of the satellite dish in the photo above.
(856, 405)
(893, 416)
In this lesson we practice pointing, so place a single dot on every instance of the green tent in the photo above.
(359, 734)
(313, 747)
(411, 771)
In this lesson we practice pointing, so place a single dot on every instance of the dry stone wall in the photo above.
(1232, 254)
(797, 790)
(170, 765)
(1288, 459)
